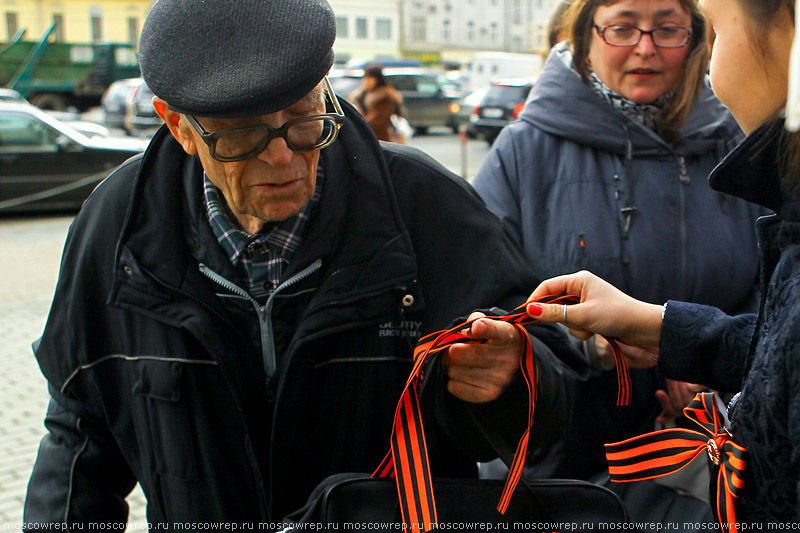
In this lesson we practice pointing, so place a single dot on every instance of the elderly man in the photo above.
(237, 308)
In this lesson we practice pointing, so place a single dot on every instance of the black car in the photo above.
(115, 101)
(426, 101)
(501, 104)
(46, 164)
(141, 117)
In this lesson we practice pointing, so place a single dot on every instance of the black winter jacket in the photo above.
(154, 380)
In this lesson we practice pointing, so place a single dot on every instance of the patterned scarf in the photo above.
(646, 114)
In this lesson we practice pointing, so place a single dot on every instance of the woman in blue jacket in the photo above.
(606, 171)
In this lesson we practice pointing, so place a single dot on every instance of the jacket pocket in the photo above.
(163, 429)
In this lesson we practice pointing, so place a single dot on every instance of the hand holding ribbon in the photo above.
(407, 461)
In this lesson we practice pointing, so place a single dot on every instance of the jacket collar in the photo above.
(751, 172)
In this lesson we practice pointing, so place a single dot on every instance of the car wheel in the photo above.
(420, 130)
(50, 102)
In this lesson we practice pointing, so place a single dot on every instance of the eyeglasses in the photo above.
(663, 37)
(301, 134)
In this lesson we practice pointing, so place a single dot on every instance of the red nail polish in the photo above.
(535, 309)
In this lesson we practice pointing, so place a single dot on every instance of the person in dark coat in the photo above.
(237, 308)
(756, 356)
(606, 170)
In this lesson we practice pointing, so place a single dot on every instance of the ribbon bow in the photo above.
(664, 452)
(407, 461)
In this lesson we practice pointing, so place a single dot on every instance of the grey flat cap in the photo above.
(236, 58)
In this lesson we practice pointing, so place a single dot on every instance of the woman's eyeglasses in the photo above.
(663, 37)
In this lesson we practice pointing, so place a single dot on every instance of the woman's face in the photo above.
(752, 82)
(645, 71)
(369, 82)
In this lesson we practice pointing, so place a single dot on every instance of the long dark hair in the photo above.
(578, 25)
(376, 71)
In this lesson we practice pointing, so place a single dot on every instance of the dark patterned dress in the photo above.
(758, 355)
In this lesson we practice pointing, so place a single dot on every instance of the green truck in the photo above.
(57, 75)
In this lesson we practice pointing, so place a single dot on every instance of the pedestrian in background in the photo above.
(606, 170)
(378, 102)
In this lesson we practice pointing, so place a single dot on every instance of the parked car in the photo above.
(464, 108)
(90, 129)
(46, 164)
(10, 95)
(141, 117)
(115, 101)
(425, 100)
(501, 104)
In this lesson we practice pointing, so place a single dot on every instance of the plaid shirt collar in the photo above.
(262, 254)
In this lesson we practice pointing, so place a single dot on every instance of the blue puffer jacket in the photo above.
(583, 186)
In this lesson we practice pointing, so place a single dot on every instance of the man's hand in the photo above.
(636, 357)
(480, 372)
(675, 398)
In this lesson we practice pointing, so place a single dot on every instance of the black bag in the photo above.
(652, 503)
(354, 502)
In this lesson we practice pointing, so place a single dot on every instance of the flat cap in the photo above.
(236, 58)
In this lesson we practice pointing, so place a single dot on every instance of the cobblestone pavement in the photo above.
(30, 250)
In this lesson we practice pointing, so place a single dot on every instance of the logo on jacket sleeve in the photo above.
(401, 328)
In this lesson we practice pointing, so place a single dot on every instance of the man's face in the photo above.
(271, 186)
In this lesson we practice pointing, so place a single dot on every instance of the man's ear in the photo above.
(176, 124)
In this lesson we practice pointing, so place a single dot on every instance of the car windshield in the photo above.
(503, 94)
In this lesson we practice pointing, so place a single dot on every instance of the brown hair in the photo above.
(578, 26)
(760, 16)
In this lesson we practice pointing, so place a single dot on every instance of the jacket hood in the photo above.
(561, 102)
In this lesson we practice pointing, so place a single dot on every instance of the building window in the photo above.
(12, 23)
(383, 28)
(516, 13)
(446, 31)
(418, 27)
(133, 30)
(470, 31)
(361, 28)
(96, 13)
(493, 32)
(516, 44)
(342, 27)
(58, 29)
(97, 29)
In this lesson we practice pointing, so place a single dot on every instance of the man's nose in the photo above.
(277, 152)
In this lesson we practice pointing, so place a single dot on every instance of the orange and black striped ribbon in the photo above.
(666, 451)
(407, 461)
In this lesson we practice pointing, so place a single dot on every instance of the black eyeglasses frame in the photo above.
(210, 138)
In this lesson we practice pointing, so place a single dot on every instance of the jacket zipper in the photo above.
(257, 477)
(684, 183)
(264, 312)
(294, 348)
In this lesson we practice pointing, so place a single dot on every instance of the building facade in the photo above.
(434, 31)
(76, 21)
(367, 29)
